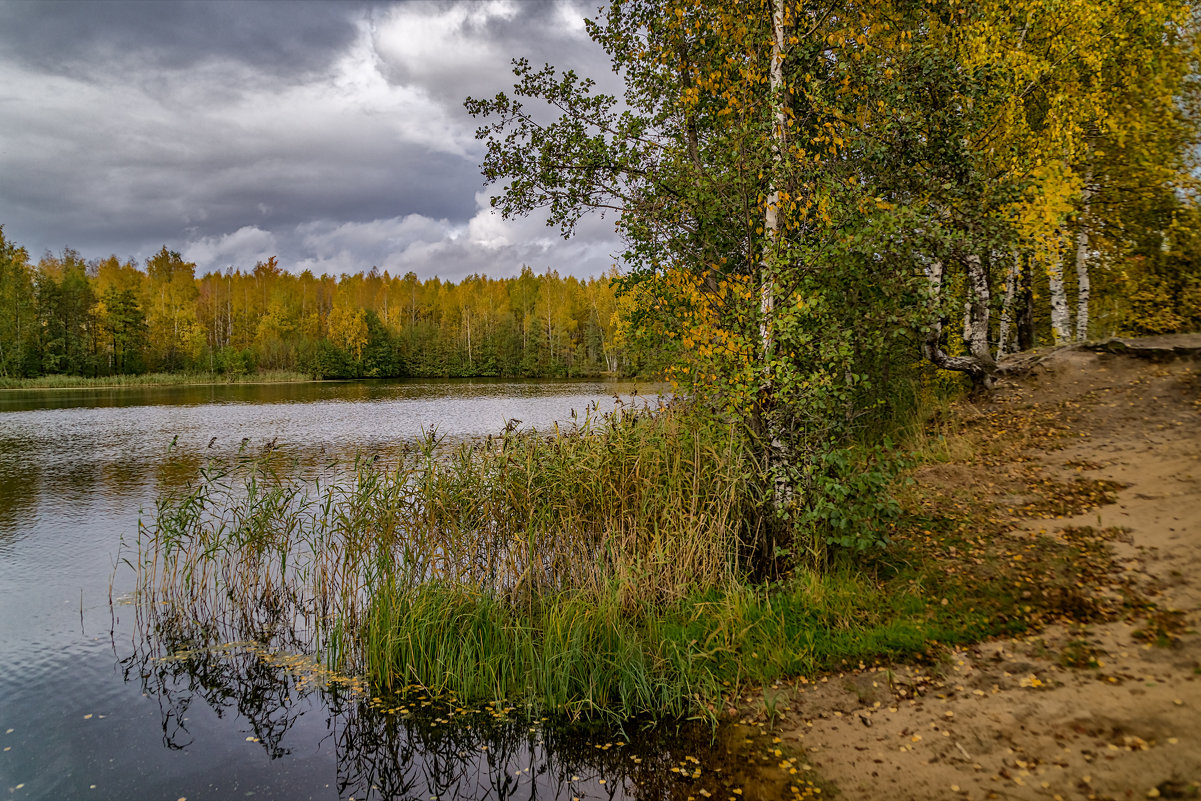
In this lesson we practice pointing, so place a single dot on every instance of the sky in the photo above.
(331, 135)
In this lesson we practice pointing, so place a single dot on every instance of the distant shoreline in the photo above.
(63, 382)
(152, 380)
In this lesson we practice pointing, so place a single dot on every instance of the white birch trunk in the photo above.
(931, 347)
(776, 452)
(1082, 279)
(977, 342)
(771, 222)
(1011, 288)
(1061, 316)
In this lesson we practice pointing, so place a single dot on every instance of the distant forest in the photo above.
(65, 315)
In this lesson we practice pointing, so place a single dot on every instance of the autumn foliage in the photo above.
(104, 317)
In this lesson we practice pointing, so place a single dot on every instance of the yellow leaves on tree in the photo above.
(348, 330)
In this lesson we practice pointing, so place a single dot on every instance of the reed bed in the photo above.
(524, 566)
(56, 381)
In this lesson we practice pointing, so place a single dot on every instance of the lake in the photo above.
(92, 707)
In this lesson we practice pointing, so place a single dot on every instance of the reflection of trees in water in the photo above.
(20, 482)
(177, 467)
(432, 748)
(122, 478)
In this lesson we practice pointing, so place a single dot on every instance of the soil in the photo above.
(1108, 709)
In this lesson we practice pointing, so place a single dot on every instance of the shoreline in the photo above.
(104, 384)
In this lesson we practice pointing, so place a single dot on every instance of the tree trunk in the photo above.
(1025, 320)
(977, 343)
(771, 221)
(1011, 288)
(778, 488)
(981, 373)
(1082, 279)
(1061, 315)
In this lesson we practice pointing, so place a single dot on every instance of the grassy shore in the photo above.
(152, 380)
(603, 571)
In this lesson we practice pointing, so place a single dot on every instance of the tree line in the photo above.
(65, 315)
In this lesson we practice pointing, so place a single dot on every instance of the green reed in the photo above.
(532, 557)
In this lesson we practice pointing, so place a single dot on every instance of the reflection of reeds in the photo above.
(523, 565)
(413, 745)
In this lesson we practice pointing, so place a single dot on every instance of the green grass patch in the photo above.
(596, 655)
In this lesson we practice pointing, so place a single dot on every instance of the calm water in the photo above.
(90, 710)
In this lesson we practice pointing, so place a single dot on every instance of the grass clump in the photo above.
(586, 655)
(520, 566)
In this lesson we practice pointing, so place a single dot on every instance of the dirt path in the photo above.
(1099, 711)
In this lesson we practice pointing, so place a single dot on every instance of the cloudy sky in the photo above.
(331, 135)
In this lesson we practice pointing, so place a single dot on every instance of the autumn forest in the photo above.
(65, 315)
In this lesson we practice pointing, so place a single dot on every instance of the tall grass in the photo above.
(604, 569)
(524, 565)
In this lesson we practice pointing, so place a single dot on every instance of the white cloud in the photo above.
(426, 40)
(325, 236)
(570, 18)
(244, 247)
(486, 244)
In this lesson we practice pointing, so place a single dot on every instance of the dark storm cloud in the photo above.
(83, 38)
(126, 208)
(331, 134)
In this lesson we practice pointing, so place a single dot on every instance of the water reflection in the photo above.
(412, 746)
(303, 393)
(129, 443)
(177, 660)
(18, 499)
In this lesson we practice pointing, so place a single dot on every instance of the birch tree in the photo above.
(730, 166)
(16, 309)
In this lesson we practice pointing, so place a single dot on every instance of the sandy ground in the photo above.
(1073, 711)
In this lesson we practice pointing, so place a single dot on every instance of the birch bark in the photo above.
(1061, 316)
(771, 222)
(977, 343)
(1011, 288)
(777, 451)
(931, 345)
(1082, 278)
